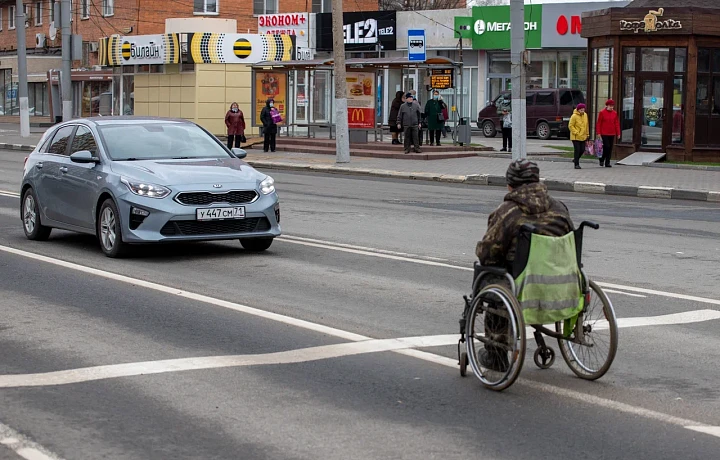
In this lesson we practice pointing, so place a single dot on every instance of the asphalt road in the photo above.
(362, 259)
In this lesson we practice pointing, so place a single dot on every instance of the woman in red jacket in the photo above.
(235, 122)
(608, 126)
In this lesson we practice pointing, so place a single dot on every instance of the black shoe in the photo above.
(494, 360)
(503, 150)
(407, 151)
(418, 151)
(396, 142)
(608, 166)
(265, 151)
(577, 167)
(438, 144)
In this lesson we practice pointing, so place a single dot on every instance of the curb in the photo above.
(596, 188)
(681, 166)
(21, 147)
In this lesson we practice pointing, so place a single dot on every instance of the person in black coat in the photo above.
(392, 119)
(269, 126)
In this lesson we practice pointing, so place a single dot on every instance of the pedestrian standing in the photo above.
(446, 115)
(269, 126)
(235, 123)
(392, 119)
(579, 132)
(408, 119)
(506, 130)
(608, 127)
(435, 117)
(422, 115)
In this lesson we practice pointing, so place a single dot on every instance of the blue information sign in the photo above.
(416, 45)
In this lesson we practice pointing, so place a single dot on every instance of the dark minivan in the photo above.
(548, 112)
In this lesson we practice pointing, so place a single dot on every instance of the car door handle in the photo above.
(39, 165)
(63, 170)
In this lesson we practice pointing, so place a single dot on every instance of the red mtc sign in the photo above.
(575, 25)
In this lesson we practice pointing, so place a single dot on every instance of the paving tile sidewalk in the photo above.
(558, 175)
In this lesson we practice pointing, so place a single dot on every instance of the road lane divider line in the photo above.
(24, 447)
(443, 263)
(339, 333)
(371, 252)
(613, 291)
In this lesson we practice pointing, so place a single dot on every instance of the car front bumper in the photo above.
(169, 220)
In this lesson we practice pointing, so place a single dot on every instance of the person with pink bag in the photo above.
(608, 128)
(267, 117)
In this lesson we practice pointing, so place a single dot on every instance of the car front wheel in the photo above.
(488, 129)
(543, 131)
(256, 244)
(109, 231)
(30, 213)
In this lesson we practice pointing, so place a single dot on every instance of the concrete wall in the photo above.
(171, 94)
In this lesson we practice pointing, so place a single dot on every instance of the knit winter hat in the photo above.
(522, 172)
(581, 106)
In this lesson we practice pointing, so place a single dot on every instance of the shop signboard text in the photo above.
(295, 24)
(362, 31)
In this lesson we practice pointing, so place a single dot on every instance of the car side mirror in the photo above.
(240, 153)
(84, 156)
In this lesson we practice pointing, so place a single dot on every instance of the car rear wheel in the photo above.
(30, 213)
(109, 231)
(488, 129)
(256, 244)
(543, 131)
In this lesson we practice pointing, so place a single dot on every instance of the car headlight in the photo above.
(148, 190)
(267, 186)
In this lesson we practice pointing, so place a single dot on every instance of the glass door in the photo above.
(652, 114)
(497, 85)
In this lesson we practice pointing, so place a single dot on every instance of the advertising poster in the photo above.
(270, 85)
(361, 99)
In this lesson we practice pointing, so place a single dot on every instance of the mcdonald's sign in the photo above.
(361, 118)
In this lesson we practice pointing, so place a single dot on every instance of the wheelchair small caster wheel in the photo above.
(463, 364)
(544, 357)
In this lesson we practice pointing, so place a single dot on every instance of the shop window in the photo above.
(716, 61)
(321, 6)
(206, 7)
(602, 78)
(265, 6)
(128, 95)
(707, 102)
(627, 106)
(629, 60)
(654, 59)
(703, 60)
(680, 60)
(143, 68)
(157, 68)
(545, 99)
(678, 114)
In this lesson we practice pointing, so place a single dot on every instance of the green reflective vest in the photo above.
(550, 287)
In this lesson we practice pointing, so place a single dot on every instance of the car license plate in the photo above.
(235, 212)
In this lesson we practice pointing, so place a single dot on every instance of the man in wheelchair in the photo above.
(527, 202)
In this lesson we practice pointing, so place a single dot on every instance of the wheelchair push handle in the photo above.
(587, 223)
(528, 228)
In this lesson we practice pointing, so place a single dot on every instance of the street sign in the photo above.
(416, 45)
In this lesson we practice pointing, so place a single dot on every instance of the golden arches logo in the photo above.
(357, 115)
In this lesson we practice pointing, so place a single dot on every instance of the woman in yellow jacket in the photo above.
(579, 132)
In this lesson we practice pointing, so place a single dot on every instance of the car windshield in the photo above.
(159, 141)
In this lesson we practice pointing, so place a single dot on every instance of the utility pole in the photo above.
(342, 133)
(517, 62)
(66, 76)
(22, 92)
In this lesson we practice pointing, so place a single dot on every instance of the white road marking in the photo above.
(443, 263)
(22, 446)
(88, 374)
(711, 430)
(373, 253)
(625, 293)
(429, 357)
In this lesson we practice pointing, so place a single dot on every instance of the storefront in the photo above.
(558, 56)
(662, 65)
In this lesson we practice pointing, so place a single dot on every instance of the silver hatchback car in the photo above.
(145, 180)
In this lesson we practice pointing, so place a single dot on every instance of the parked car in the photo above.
(548, 112)
(145, 180)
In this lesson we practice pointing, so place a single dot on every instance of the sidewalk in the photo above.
(558, 174)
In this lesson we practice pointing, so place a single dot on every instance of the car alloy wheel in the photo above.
(543, 131)
(489, 129)
(107, 228)
(29, 214)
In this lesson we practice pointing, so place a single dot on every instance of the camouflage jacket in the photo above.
(528, 204)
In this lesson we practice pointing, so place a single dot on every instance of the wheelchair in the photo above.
(493, 324)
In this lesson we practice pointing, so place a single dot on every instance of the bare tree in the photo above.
(415, 5)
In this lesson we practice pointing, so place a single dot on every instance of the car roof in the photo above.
(127, 120)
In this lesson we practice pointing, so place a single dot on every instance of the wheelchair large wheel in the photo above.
(591, 359)
(495, 307)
